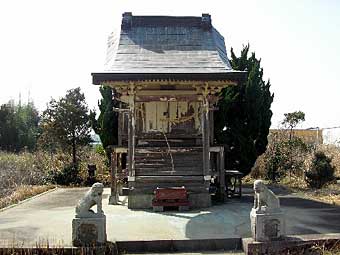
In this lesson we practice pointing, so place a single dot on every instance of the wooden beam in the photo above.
(132, 131)
(166, 92)
(206, 139)
(211, 123)
(113, 199)
(143, 83)
(120, 126)
(168, 98)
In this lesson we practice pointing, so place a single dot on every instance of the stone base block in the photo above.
(267, 226)
(294, 244)
(125, 191)
(156, 208)
(183, 208)
(113, 199)
(144, 201)
(200, 200)
(89, 231)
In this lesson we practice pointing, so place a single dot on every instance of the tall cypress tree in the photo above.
(244, 116)
(106, 126)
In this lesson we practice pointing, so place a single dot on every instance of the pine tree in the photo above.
(244, 116)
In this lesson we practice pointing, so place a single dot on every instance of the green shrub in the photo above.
(321, 171)
(68, 175)
(100, 150)
(283, 157)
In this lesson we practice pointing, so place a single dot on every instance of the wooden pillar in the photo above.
(113, 200)
(211, 123)
(131, 133)
(222, 173)
(120, 125)
(206, 139)
(119, 160)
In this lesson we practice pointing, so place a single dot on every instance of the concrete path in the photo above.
(48, 219)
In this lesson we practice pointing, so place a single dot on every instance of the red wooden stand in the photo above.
(170, 197)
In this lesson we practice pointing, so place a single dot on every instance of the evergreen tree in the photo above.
(244, 116)
(292, 119)
(66, 123)
(106, 126)
(27, 119)
(8, 129)
(321, 171)
(18, 126)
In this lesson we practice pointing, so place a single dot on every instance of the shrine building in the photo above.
(167, 72)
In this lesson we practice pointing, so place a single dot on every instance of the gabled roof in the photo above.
(166, 47)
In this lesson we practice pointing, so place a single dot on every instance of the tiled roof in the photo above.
(167, 45)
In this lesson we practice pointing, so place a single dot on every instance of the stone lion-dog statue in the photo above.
(91, 198)
(265, 200)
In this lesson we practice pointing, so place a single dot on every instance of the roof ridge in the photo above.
(129, 21)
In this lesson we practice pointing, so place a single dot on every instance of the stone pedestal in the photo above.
(89, 231)
(113, 199)
(267, 225)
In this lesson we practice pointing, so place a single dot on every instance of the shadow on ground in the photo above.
(303, 217)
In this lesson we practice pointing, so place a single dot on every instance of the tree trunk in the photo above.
(74, 155)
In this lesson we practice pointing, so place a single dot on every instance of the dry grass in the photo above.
(23, 192)
(296, 183)
(334, 153)
(89, 156)
(322, 250)
(20, 169)
(26, 174)
(329, 194)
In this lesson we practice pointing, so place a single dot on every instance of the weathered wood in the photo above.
(158, 162)
(113, 200)
(154, 83)
(205, 138)
(170, 197)
(141, 188)
(168, 163)
(222, 174)
(169, 117)
(174, 178)
(148, 172)
(113, 173)
(176, 156)
(172, 150)
(131, 131)
(211, 124)
(168, 98)
(120, 126)
(119, 166)
(197, 184)
(162, 92)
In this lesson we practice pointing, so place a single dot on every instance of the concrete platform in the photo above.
(48, 219)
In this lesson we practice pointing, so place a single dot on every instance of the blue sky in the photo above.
(49, 46)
